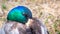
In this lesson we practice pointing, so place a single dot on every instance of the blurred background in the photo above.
(47, 10)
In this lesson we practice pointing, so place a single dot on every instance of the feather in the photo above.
(37, 26)
(14, 28)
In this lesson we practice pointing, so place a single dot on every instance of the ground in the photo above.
(47, 10)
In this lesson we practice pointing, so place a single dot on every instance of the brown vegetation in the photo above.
(47, 10)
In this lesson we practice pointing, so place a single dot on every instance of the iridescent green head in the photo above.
(19, 14)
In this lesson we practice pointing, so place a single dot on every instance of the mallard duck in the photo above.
(18, 22)
(16, 19)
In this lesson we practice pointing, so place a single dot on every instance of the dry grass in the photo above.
(47, 10)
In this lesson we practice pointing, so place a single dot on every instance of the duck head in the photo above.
(19, 14)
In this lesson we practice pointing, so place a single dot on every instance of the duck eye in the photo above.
(25, 14)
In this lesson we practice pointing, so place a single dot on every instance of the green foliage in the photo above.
(58, 32)
(2, 19)
(32, 0)
(56, 23)
(4, 6)
(40, 14)
(55, 26)
(50, 16)
(46, 21)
